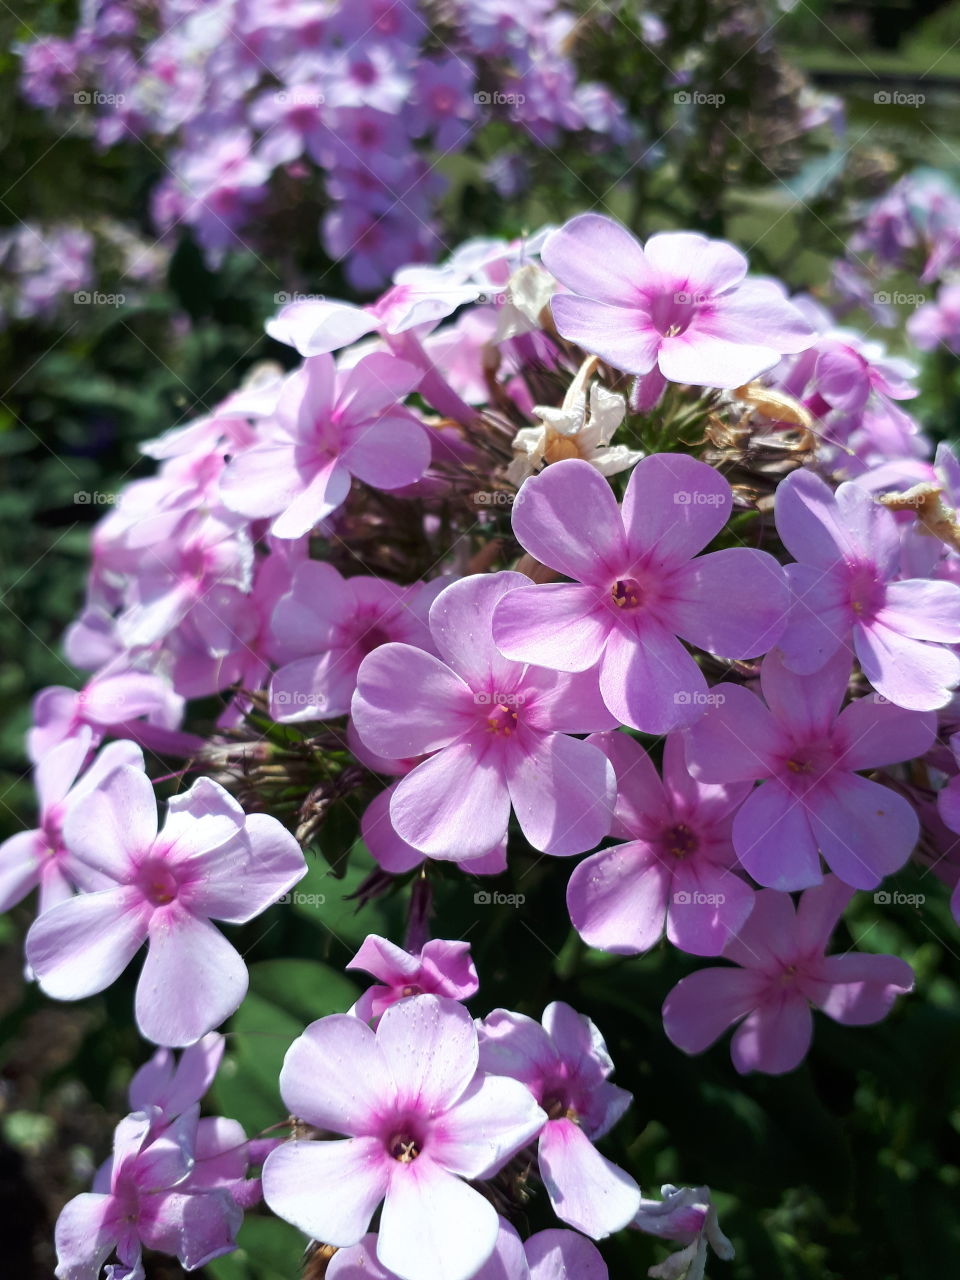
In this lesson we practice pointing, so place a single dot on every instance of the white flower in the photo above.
(581, 428)
(528, 291)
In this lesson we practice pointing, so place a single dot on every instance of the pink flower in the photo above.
(440, 969)
(209, 861)
(144, 1202)
(848, 552)
(498, 734)
(782, 972)
(40, 857)
(637, 585)
(419, 1117)
(112, 701)
(684, 1214)
(326, 625)
(680, 304)
(549, 1255)
(564, 1063)
(677, 870)
(807, 752)
(330, 425)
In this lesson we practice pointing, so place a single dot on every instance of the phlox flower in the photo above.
(143, 1202)
(677, 870)
(808, 752)
(329, 426)
(686, 1215)
(496, 732)
(441, 968)
(680, 304)
(209, 861)
(582, 427)
(847, 548)
(548, 1255)
(419, 1117)
(638, 585)
(565, 1064)
(324, 627)
(394, 854)
(112, 701)
(782, 971)
(40, 857)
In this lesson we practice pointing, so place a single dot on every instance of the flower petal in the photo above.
(328, 1189)
(585, 1189)
(192, 979)
(433, 1226)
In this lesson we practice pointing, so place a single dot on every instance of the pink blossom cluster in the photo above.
(251, 103)
(637, 559)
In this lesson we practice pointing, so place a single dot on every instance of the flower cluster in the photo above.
(644, 563)
(251, 102)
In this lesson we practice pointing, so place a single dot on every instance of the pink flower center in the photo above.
(626, 593)
(405, 1139)
(558, 1107)
(866, 591)
(157, 882)
(671, 313)
(679, 841)
(502, 720)
(807, 763)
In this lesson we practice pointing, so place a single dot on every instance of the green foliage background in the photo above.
(847, 1169)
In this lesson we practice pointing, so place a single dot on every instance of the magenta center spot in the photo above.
(671, 313)
(627, 593)
(679, 841)
(866, 591)
(157, 883)
(502, 720)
